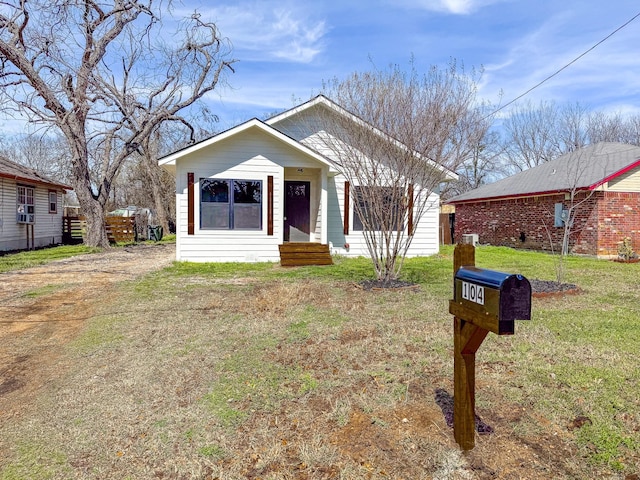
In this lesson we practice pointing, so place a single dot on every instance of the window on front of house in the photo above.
(227, 204)
(377, 209)
(25, 208)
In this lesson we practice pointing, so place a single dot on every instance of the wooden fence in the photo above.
(119, 229)
(73, 229)
(447, 228)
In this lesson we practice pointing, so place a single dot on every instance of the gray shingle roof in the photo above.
(586, 168)
(9, 169)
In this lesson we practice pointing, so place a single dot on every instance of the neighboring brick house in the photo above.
(526, 209)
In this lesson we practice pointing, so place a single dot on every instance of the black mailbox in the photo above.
(490, 299)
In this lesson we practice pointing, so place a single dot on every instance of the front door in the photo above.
(297, 201)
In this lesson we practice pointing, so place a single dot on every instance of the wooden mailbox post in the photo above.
(483, 301)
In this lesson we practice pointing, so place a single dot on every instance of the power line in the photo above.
(566, 66)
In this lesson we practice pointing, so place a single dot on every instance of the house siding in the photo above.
(47, 228)
(252, 151)
(627, 182)
(425, 240)
(252, 155)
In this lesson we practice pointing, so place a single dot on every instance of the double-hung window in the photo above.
(228, 204)
(53, 201)
(377, 209)
(25, 208)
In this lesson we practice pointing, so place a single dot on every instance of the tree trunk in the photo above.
(160, 208)
(93, 210)
(96, 235)
(155, 174)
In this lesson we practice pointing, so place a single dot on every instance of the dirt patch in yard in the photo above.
(43, 308)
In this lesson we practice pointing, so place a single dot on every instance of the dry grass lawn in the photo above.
(259, 372)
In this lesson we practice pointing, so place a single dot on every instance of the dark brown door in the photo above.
(297, 203)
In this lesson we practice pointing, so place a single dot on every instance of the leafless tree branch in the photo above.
(90, 70)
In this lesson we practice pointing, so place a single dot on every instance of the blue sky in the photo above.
(286, 48)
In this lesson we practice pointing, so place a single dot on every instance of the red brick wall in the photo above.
(619, 217)
(529, 223)
(602, 221)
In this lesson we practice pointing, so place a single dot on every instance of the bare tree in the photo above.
(633, 130)
(536, 134)
(44, 153)
(571, 214)
(102, 75)
(148, 185)
(572, 127)
(483, 165)
(614, 127)
(603, 127)
(530, 136)
(394, 142)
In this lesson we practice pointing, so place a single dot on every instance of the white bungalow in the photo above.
(250, 192)
(30, 208)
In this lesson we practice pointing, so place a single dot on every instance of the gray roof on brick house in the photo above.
(583, 169)
(20, 173)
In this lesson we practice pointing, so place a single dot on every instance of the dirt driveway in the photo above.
(43, 308)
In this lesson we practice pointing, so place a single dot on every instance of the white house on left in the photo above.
(30, 208)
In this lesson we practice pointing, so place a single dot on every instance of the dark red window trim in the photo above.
(270, 205)
(347, 194)
(190, 204)
(410, 208)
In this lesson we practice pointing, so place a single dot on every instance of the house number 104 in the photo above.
(473, 293)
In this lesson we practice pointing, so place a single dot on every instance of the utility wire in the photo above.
(566, 66)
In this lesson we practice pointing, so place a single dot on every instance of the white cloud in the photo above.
(270, 31)
(455, 7)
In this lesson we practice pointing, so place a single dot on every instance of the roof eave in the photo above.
(453, 201)
(170, 160)
(327, 102)
(18, 178)
(615, 175)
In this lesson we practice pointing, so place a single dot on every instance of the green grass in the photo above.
(580, 352)
(213, 451)
(102, 332)
(247, 383)
(21, 260)
(42, 291)
(591, 340)
(35, 462)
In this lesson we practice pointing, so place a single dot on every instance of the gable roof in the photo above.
(585, 169)
(20, 173)
(170, 160)
(321, 100)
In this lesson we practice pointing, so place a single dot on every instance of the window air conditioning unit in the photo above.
(25, 218)
(471, 238)
(25, 214)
